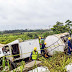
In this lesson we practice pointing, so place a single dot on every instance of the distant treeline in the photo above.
(20, 31)
(11, 35)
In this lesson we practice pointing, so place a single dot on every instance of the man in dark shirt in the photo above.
(69, 46)
(42, 48)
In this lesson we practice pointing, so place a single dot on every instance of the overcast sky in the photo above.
(33, 14)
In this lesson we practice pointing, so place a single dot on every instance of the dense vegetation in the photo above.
(59, 27)
(57, 62)
(9, 37)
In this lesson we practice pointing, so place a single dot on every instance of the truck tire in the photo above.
(12, 65)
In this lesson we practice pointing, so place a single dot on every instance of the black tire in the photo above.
(12, 65)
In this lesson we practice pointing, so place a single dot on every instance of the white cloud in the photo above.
(16, 14)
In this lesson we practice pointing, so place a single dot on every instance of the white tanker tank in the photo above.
(56, 42)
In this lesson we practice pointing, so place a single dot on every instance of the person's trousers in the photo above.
(42, 51)
(69, 51)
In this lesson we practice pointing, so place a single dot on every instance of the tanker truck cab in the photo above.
(11, 50)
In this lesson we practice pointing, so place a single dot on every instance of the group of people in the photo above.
(34, 54)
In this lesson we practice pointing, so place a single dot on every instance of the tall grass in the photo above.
(56, 63)
(3, 62)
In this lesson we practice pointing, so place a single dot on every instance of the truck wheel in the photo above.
(12, 65)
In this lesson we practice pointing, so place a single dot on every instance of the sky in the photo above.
(33, 14)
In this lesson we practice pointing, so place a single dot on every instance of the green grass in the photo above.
(7, 38)
(57, 62)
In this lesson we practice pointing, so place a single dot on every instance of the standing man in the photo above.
(34, 54)
(40, 42)
(69, 46)
(39, 39)
(42, 48)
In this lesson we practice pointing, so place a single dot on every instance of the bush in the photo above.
(45, 34)
(57, 62)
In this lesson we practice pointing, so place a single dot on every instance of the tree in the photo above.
(68, 23)
(59, 27)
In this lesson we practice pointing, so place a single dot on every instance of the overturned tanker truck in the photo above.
(57, 42)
